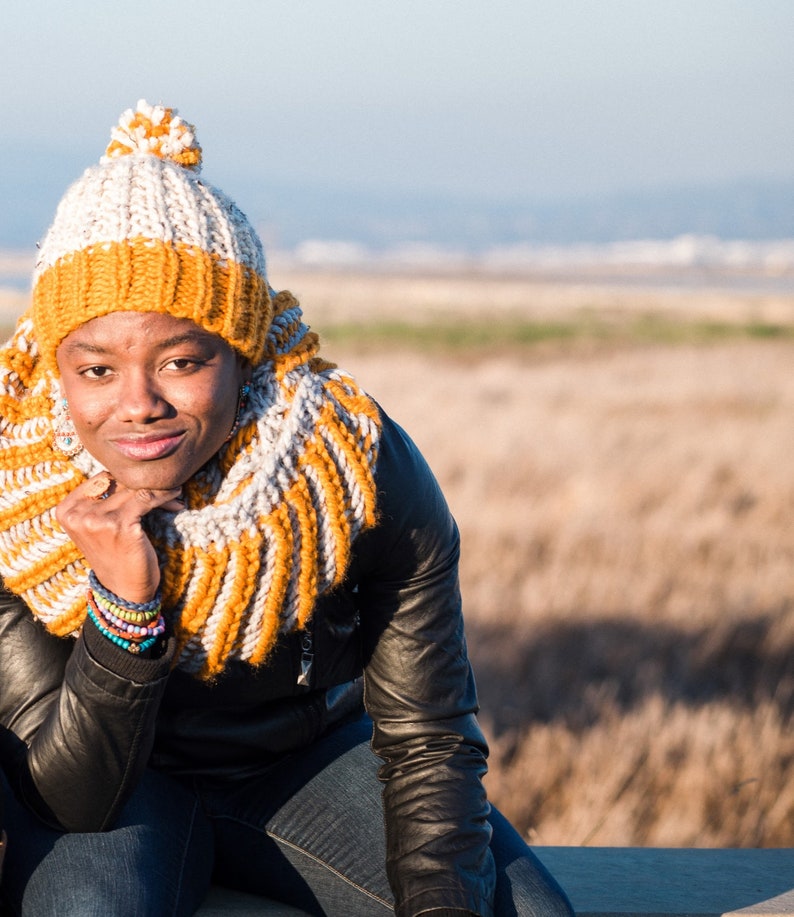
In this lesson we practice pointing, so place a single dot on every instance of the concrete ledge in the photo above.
(613, 881)
(606, 881)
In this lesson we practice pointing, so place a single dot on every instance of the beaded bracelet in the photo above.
(128, 645)
(131, 617)
(134, 626)
(128, 626)
(96, 586)
(126, 629)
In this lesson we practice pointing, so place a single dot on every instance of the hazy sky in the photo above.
(497, 98)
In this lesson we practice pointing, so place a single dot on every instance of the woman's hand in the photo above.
(103, 518)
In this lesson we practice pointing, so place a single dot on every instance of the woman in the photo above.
(217, 552)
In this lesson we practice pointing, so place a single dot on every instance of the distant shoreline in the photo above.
(752, 281)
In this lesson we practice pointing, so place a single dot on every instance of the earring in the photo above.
(64, 435)
(242, 401)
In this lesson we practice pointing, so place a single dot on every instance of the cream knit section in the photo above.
(143, 197)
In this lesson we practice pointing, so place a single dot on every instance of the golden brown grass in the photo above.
(626, 512)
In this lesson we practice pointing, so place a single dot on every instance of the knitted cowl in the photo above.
(269, 522)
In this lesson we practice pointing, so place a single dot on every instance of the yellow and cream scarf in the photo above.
(269, 523)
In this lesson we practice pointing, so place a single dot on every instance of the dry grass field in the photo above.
(625, 492)
(619, 458)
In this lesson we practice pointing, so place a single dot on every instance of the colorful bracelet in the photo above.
(134, 630)
(133, 626)
(128, 645)
(131, 617)
(126, 629)
(97, 587)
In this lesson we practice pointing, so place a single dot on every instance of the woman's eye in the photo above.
(96, 372)
(181, 363)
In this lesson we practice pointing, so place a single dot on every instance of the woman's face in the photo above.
(152, 397)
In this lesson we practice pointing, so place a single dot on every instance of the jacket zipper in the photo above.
(307, 660)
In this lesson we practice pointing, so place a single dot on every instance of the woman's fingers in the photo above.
(104, 519)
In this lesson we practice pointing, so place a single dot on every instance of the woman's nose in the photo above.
(141, 401)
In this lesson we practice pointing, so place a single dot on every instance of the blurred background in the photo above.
(451, 124)
(556, 241)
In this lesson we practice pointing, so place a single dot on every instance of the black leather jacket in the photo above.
(82, 718)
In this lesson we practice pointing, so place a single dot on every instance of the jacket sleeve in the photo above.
(420, 693)
(76, 719)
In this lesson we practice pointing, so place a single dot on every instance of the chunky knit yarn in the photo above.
(269, 524)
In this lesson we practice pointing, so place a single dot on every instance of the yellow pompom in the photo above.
(154, 130)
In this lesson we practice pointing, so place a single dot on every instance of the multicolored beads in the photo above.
(133, 626)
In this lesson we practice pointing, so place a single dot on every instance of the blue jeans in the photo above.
(308, 832)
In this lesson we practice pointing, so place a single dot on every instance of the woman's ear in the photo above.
(245, 368)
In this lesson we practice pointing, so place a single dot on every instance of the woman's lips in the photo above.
(145, 449)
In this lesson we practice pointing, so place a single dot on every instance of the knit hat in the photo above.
(141, 232)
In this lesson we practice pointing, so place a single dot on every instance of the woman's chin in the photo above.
(148, 478)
